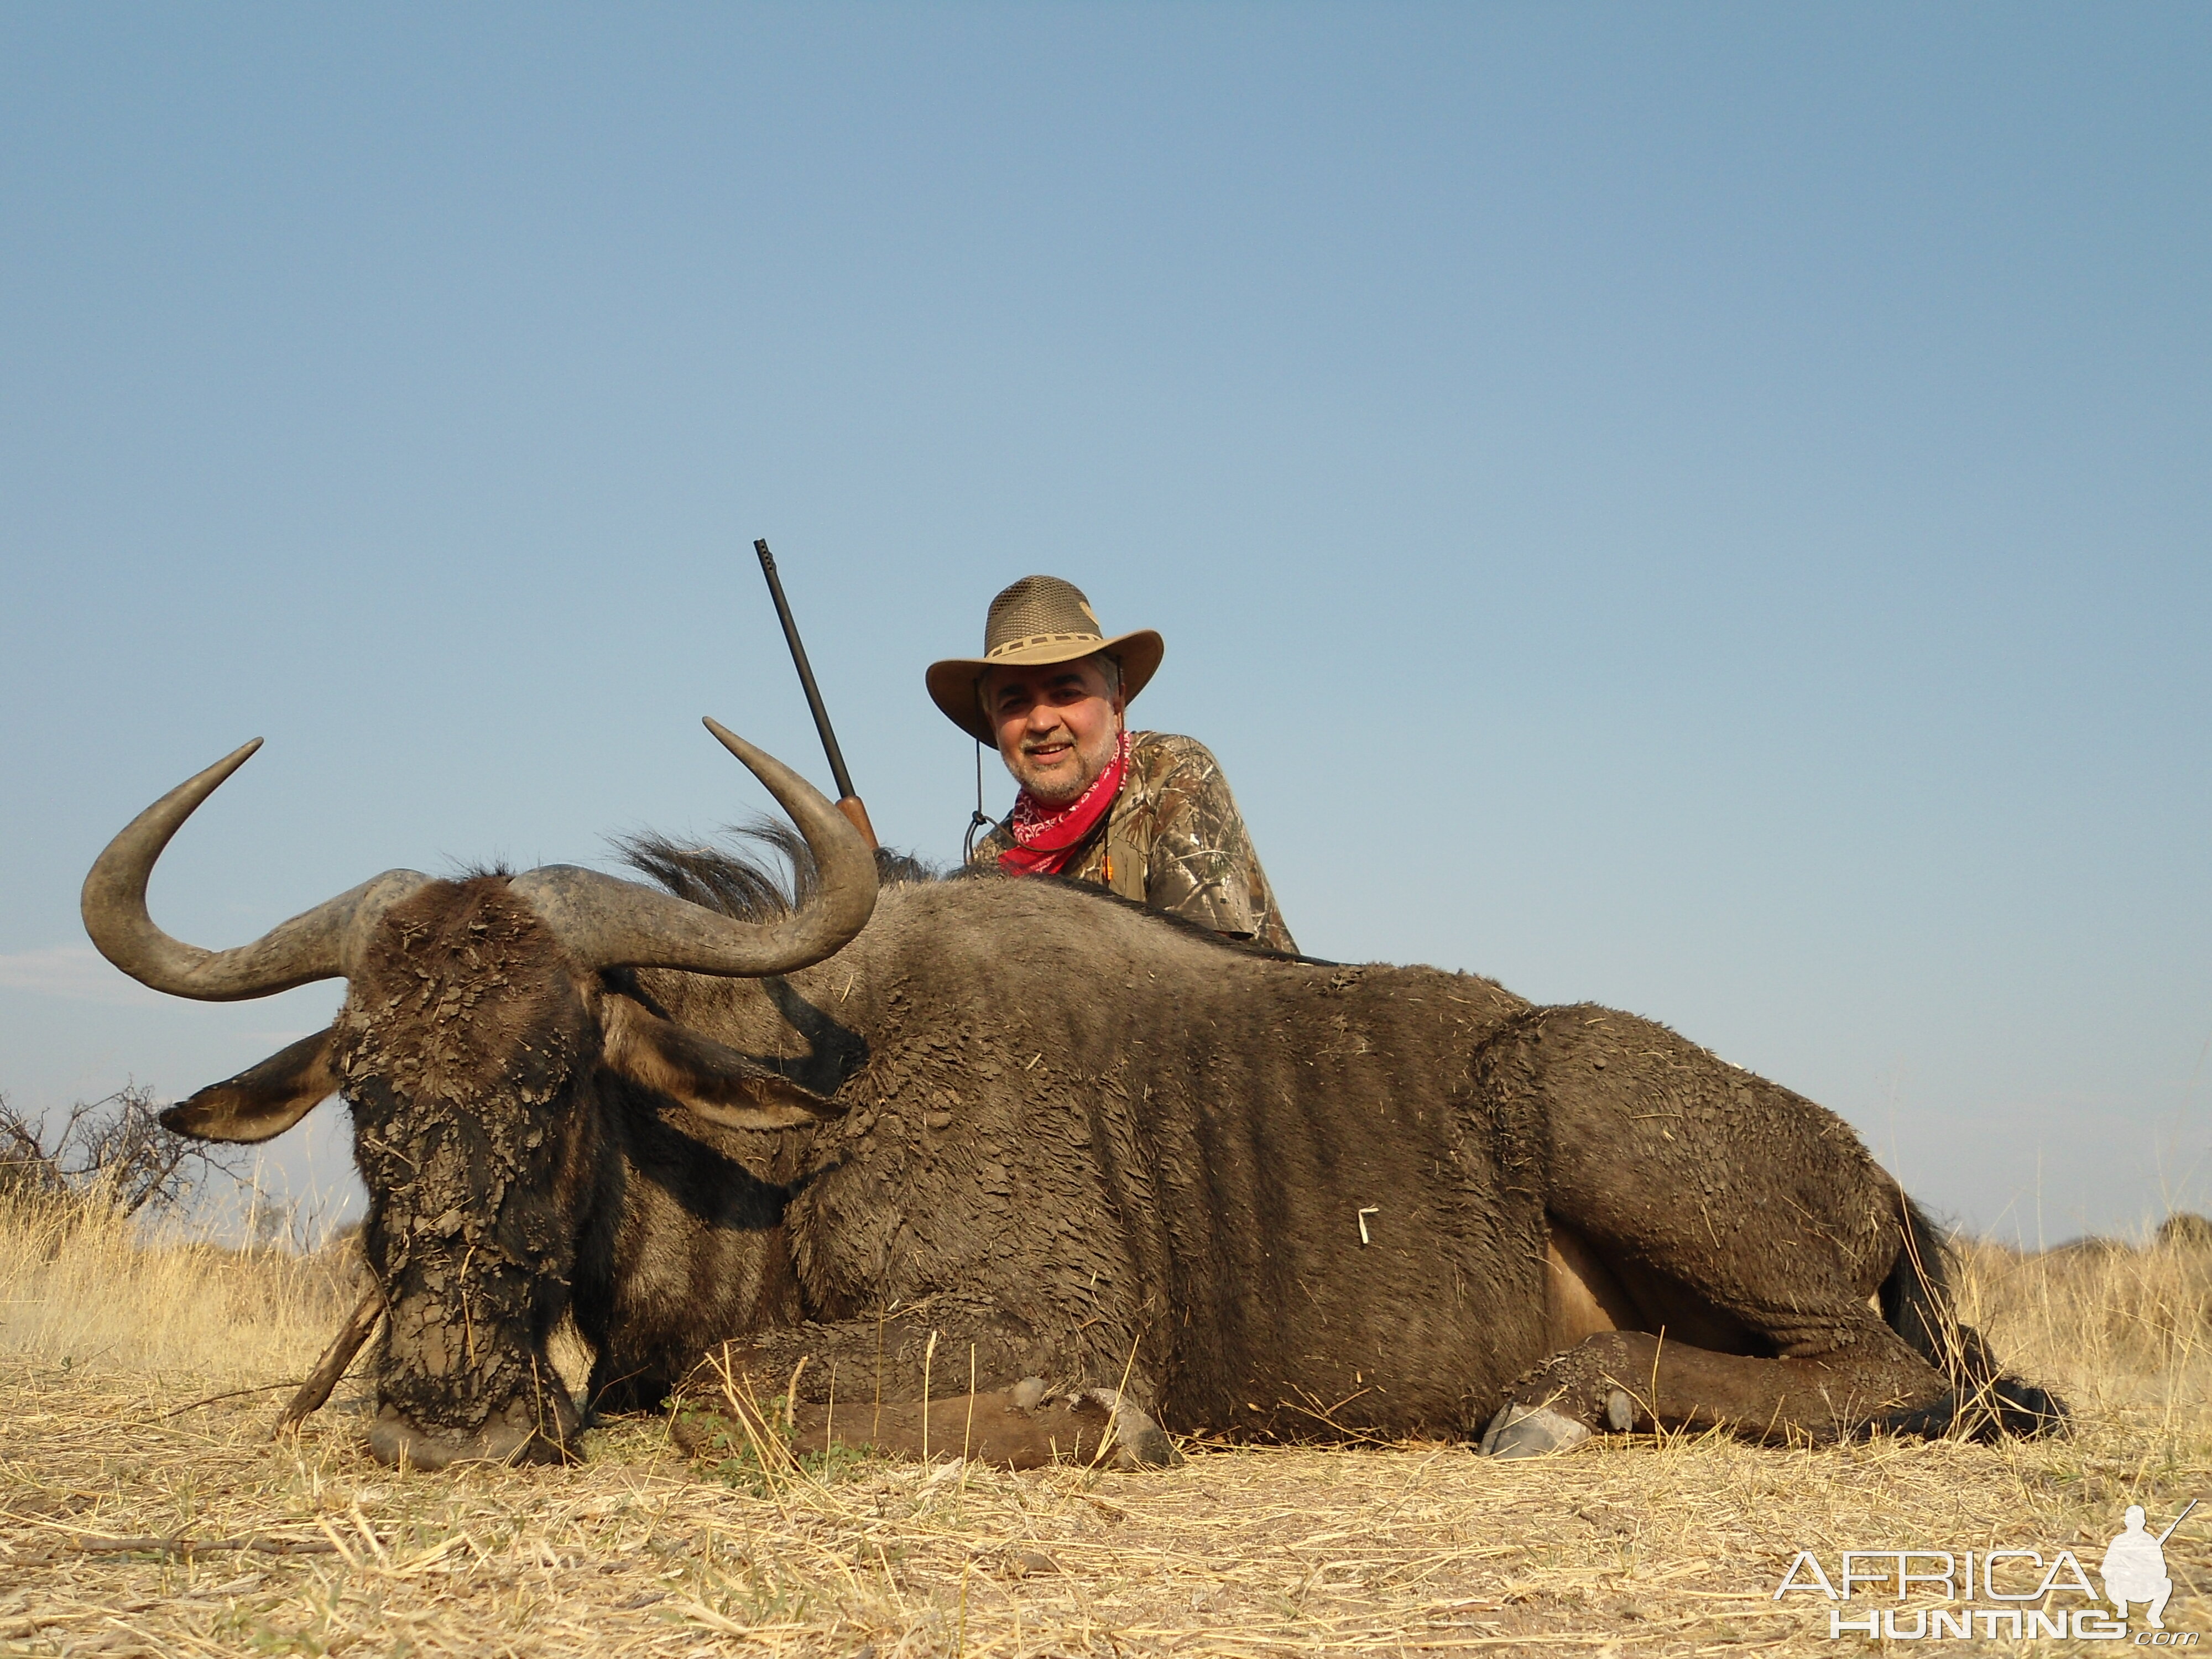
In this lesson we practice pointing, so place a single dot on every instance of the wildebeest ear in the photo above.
(725, 1087)
(261, 1103)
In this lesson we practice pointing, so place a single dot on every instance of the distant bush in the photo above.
(2185, 1229)
(111, 1154)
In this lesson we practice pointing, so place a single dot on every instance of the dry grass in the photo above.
(81, 1287)
(1673, 1548)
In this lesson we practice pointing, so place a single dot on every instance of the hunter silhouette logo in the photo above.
(2135, 1567)
(2023, 1586)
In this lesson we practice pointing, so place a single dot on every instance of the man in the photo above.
(1146, 814)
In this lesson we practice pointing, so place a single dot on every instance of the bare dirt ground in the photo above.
(139, 1516)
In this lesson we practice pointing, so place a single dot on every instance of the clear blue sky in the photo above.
(1700, 508)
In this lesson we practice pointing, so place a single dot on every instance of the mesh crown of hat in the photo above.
(1039, 606)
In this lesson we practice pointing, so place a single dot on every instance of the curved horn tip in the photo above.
(736, 744)
(203, 783)
(245, 752)
(720, 730)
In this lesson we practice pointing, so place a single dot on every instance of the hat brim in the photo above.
(953, 683)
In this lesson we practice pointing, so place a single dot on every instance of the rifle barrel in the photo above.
(843, 779)
(847, 801)
(2178, 1520)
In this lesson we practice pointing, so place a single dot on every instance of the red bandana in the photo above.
(1043, 839)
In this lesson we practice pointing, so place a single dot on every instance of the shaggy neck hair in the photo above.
(764, 871)
(769, 880)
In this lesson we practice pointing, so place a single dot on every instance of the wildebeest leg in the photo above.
(1628, 1380)
(1023, 1427)
(862, 1382)
(1745, 1216)
(1742, 1230)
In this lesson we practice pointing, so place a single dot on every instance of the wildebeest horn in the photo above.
(603, 923)
(311, 946)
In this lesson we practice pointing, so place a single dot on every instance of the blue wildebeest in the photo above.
(1104, 1170)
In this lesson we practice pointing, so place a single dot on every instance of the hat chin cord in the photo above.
(979, 820)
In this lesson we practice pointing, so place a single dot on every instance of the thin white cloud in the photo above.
(76, 972)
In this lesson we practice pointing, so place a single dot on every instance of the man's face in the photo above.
(1058, 725)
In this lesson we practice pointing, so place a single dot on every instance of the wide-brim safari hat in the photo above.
(1038, 620)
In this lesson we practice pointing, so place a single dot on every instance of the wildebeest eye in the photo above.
(725, 1087)
(263, 1101)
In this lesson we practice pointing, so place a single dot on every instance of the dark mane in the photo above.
(760, 872)
(768, 879)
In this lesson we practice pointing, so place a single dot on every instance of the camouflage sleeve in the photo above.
(1202, 866)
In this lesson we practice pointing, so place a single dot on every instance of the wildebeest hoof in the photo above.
(1139, 1442)
(511, 1438)
(1531, 1431)
(2023, 1409)
(1028, 1394)
(1619, 1412)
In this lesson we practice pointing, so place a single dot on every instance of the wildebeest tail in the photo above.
(1917, 1303)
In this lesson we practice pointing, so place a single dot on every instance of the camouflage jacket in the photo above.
(1175, 839)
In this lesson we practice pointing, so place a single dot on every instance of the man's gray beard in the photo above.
(1073, 791)
(1058, 799)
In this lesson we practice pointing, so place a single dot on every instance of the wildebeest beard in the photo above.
(465, 1054)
